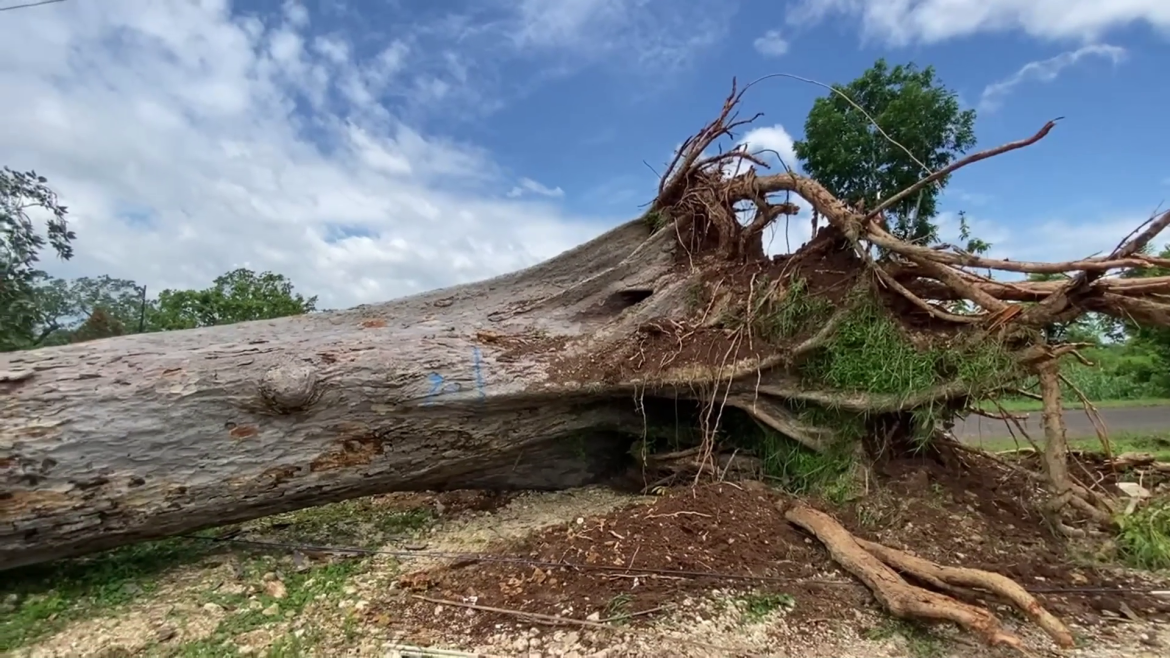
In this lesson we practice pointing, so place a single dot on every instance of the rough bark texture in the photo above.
(116, 440)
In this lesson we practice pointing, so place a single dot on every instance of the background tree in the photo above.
(844, 151)
(100, 324)
(20, 249)
(66, 305)
(1153, 340)
(238, 296)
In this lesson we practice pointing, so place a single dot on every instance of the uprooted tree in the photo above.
(550, 377)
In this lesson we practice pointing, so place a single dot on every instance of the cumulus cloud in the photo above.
(771, 44)
(902, 22)
(188, 140)
(776, 140)
(1046, 70)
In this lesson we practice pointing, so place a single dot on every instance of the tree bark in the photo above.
(129, 438)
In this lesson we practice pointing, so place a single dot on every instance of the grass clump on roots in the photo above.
(789, 465)
(797, 312)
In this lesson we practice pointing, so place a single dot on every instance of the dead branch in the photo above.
(959, 164)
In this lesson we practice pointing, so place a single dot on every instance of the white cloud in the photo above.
(1045, 70)
(902, 22)
(776, 139)
(771, 44)
(654, 35)
(187, 141)
(529, 185)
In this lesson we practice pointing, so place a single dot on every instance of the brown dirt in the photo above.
(652, 557)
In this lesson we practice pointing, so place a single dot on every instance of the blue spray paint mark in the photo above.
(478, 363)
(439, 386)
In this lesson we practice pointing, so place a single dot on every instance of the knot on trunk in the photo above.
(289, 388)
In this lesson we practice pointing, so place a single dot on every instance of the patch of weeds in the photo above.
(655, 220)
(247, 613)
(618, 608)
(1143, 538)
(696, 295)
(795, 313)
(870, 516)
(920, 641)
(41, 599)
(359, 523)
(758, 605)
(788, 464)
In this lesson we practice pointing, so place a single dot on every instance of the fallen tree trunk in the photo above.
(545, 378)
(129, 438)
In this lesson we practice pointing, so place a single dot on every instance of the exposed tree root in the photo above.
(1004, 587)
(715, 208)
(871, 564)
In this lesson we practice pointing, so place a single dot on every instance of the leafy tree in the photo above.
(100, 324)
(66, 305)
(20, 251)
(238, 296)
(1154, 339)
(844, 151)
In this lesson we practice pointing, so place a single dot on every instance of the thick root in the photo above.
(897, 596)
(1002, 586)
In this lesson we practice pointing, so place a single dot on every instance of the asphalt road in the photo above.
(1129, 420)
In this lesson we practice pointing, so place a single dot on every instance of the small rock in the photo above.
(520, 645)
(246, 650)
(164, 633)
(132, 588)
(213, 608)
(271, 610)
(276, 589)
(594, 616)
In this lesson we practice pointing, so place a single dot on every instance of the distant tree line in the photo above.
(37, 310)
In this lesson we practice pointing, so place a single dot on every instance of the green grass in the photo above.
(1028, 404)
(44, 598)
(758, 605)
(920, 641)
(1155, 444)
(244, 614)
(39, 600)
(1143, 538)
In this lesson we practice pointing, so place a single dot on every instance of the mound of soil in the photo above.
(733, 537)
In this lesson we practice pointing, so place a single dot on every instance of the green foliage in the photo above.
(870, 353)
(791, 315)
(1155, 340)
(1143, 537)
(238, 296)
(21, 244)
(845, 152)
(758, 605)
(67, 305)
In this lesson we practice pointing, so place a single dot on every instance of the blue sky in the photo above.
(374, 148)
